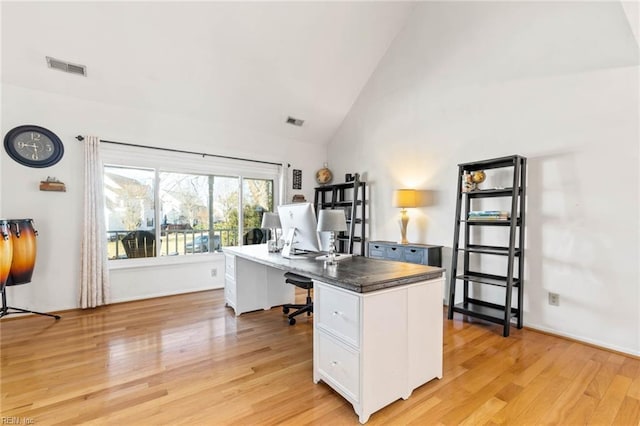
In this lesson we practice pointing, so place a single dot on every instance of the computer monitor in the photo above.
(299, 229)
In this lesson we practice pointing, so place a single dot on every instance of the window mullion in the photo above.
(212, 232)
(240, 210)
(156, 208)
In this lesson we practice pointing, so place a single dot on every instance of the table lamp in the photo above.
(271, 221)
(405, 198)
(332, 221)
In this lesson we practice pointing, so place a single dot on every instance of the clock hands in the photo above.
(35, 145)
(25, 145)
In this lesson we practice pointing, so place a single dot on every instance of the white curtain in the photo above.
(94, 280)
(284, 184)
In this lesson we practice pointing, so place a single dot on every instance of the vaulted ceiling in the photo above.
(247, 64)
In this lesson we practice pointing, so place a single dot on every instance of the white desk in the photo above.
(250, 286)
(377, 323)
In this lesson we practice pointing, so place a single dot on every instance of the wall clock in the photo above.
(33, 146)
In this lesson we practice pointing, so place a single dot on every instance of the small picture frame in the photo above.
(297, 179)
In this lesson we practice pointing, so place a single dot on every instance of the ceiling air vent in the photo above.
(57, 64)
(295, 121)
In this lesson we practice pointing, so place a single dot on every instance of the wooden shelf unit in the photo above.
(514, 249)
(352, 198)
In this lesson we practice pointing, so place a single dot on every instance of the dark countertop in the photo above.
(359, 274)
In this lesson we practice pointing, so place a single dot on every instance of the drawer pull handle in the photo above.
(334, 363)
(394, 248)
(336, 313)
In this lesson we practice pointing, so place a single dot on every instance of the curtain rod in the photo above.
(81, 138)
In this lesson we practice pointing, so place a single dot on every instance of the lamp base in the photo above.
(404, 220)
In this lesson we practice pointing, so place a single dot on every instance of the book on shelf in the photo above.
(487, 218)
(488, 213)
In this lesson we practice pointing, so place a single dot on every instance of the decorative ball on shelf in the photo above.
(478, 176)
(324, 175)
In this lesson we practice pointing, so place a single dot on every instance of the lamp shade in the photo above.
(332, 220)
(405, 198)
(270, 220)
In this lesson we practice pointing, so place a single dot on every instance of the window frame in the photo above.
(165, 161)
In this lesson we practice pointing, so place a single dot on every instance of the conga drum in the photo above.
(6, 252)
(23, 236)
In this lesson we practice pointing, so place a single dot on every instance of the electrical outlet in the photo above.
(214, 272)
(554, 299)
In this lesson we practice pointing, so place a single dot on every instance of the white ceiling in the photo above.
(233, 63)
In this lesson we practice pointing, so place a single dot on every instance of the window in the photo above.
(257, 198)
(197, 212)
(185, 218)
(226, 192)
(129, 208)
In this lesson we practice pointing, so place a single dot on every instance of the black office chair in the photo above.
(304, 283)
(253, 236)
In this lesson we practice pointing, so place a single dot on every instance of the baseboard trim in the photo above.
(593, 344)
(62, 312)
(164, 294)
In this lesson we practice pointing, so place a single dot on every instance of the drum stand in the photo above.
(5, 309)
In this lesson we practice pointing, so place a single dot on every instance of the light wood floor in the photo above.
(188, 360)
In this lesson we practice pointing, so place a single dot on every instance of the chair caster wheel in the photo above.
(292, 321)
(285, 310)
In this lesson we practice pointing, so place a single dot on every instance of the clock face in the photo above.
(33, 146)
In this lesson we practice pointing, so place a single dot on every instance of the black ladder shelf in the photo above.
(514, 250)
(351, 197)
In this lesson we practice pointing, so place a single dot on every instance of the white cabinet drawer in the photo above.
(230, 290)
(339, 313)
(230, 266)
(340, 365)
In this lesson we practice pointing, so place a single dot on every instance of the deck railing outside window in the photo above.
(176, 242)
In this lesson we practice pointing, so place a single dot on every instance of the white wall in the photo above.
(555, 82)
(58, 216)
